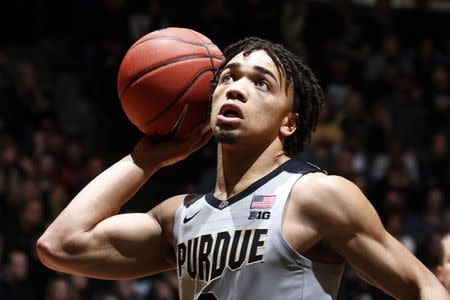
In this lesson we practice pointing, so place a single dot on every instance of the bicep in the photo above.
(122, 246)
(354, 230)
(382, 262)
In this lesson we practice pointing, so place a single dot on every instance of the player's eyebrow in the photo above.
(236, 65)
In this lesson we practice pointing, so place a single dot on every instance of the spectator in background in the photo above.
(25, 220)
(384, 81)
(361, 181)
(445, 222)
(440, 99)
(380, 21)
(397, 179)
(73, 168)
(9, 171)
(379, 131)
(125, 290)
(171, 278)
(294, 14)
(429, 251)
(161, 290)
(75, 111)
(390, 53)
(395, 224)
(217, 20)
(145, 17)
(60, 288)
(428, 216)
(53, 193)
(80, 287)
(437, 164)
(392, 202)
(108, 295)
(24, 234)
(14, 282)
(28, 88)
(434, 207)
(328, 134)
(343, 164)
(397, 154)
(422, 62)
(338, 82)
(9, 106)
(30, 221)
(355, 126)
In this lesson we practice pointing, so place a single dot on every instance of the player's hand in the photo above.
(152, 153)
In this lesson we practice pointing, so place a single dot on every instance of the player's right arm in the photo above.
(89, 238)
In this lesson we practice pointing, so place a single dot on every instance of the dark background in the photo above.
(385, 126)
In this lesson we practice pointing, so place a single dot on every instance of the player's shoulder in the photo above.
(164, 213)
(322, 184)
(168, 208)
(190, 199)
(328, 196)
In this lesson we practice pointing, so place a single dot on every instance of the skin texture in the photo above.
(443, 270)
(327, 217)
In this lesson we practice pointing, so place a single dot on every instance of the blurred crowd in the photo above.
(385, 125)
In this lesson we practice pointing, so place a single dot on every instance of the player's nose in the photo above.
(237, 92)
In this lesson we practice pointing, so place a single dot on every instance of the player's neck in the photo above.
(236, 170)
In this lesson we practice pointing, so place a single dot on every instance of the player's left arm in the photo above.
(349, 224)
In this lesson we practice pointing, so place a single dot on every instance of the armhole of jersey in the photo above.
(283, 244)
(176, 221)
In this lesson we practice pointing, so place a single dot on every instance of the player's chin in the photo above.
(225, 136)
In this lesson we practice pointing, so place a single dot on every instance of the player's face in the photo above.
(443, 271)
(251, 100)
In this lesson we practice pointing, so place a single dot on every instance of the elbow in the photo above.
(52, 253)
(47, 251)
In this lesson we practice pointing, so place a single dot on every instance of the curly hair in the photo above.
(308, 95)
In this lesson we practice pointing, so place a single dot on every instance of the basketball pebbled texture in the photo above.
(165, 79)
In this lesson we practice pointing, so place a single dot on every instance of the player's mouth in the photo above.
(229, 114)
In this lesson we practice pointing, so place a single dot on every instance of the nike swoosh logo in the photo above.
(186, 219)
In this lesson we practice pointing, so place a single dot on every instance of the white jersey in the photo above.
(235, 249)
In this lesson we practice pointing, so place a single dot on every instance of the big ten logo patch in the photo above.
(259, 215)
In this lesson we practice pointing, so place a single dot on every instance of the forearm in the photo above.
(89, 235)
(100, 199)
(433, 291)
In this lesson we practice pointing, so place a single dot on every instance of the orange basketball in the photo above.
(164, 81)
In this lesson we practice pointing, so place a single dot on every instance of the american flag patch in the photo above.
(262, 201)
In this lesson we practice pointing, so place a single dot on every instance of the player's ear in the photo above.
(289, 124)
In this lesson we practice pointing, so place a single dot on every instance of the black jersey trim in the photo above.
(291, 166)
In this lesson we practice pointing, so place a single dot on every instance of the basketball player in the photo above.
(273, 228)
(443, 270)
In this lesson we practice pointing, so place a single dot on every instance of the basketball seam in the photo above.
(207, 50)
(153, 68)
(171, 39)
(175, 100)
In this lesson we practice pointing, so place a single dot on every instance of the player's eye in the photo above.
(227, 78)
(263, 85)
